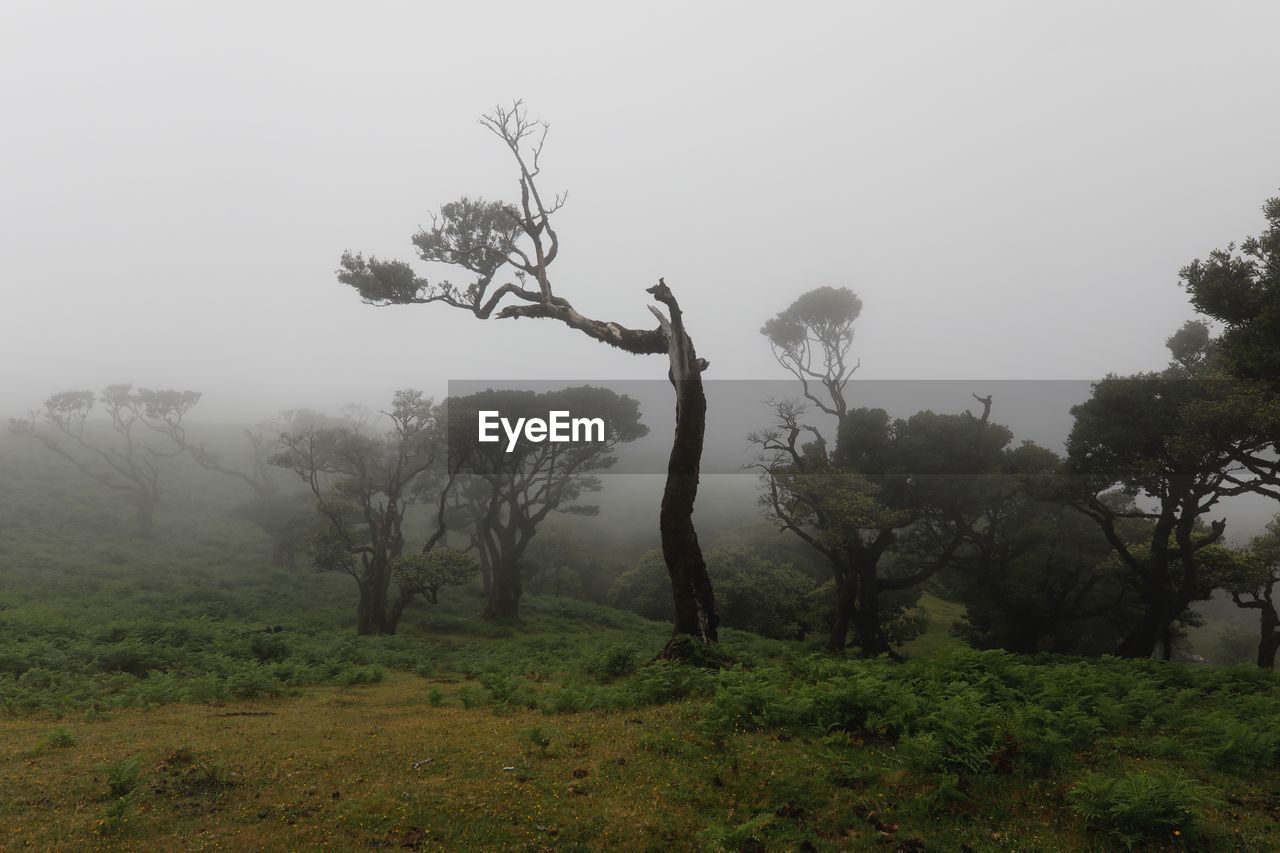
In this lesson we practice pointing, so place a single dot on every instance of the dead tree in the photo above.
(483, 239)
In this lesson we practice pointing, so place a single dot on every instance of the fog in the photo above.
(925, 514)
(1011, 188)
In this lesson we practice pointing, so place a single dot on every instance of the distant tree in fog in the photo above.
(755, 594)
(913, 487)
(364, 484)
(427, 573)
(812, 339)
(883, 481)
(124, 453)
(559, 562)
(1136, 438)
(1037, 577)
(1239, 287)
(276, 512)
(1255, 585)
(506, 494)
(481, 239)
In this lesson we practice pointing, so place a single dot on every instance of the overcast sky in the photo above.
(1011, 188)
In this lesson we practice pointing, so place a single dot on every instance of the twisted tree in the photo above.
(1239, 286)
(1254, 588)
(811, 339)
(884, 479)
(922, 481)
(363, 485)
(483, 239)
(507, 493)
(1141, 438)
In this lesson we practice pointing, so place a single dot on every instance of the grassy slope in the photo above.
(353, 768)
(937, 639)
(321, 764)
(422, 761)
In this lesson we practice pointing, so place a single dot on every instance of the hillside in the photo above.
(183, 693)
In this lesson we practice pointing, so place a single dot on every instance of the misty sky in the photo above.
(1011, 188)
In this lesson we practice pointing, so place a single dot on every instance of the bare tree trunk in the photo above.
(364, 612)
(691, 589)
(871, 639)
(371, 616)
(695, 610)
(1166, 643)
(504, 594)
(1269, 644)
(396, 611)
(846, 601)
(1141, 641)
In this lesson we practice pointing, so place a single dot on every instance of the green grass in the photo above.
(351, 768)
(144, 704)
(937, 639)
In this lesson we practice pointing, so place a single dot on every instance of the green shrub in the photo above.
(748, 835)
(122, 776)
(60, 739)
(1238, 746)
(1139, 806)
(269, 647)
(115, 814)
(507, 691)
(253, 683)
(613, 663)
(129, 657)
(539, 737)
(358, 675)
(472, 696)
(188, 774)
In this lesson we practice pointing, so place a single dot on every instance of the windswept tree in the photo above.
(124, 454)
(487, 241)
(1255, 585)
(363, 485)
(811, 339)
(1145, 439)
(919, 482)
(1239, 286)
(507, 492)
(882, 480)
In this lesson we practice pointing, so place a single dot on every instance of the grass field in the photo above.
(384, 766)
(180, 694)
(543, 739)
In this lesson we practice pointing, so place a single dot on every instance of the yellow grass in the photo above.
(347, 769)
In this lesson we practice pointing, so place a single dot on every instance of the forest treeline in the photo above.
(1108, 549)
